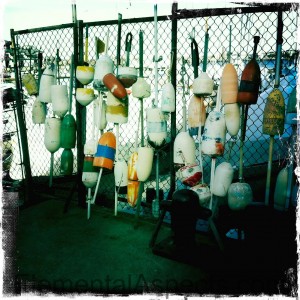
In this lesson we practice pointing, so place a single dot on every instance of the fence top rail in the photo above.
(178, 14)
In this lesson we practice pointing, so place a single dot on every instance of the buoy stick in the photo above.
(141, 52)
(86, 43)
(244, 116)
(71, 82)
(107, 42)
(156, 56)
(269, 170)
(117, 158)
(212, 178)
(142, 123)
(51, 169)
(97, 186)
(200, 147)
(183, 72)
(205, 47)
(89, 197)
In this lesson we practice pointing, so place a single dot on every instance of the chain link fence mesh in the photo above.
(239, 28)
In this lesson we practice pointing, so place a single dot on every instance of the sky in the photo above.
(26, 14)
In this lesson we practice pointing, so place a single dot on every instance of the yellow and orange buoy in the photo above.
(229, 85)
(132, 192)
(196, 114)
(274, 114)
(106, 149)
(132, 173)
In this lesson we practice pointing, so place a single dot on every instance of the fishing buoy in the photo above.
(30, 84)
(144, 163)
(132, 172)
(132, 192)
(168, 98)
(90, 147)
(291, 110)
(47, 80)
(229, 86)
(250, 79)
(156, 127)
(60, 100)
(196, 115)
(203, 85)
(105, 155)
(85, 74)
(274, 114)
(184, 149)
(116, 111)
(141, 89)
(121, 179)
(68, 132)
(281, 190)
(239, 195)
(213, 138)
(232, 118)
(85, 96)
(38, 112)
(190, 175)
(104, 65)
(52, 139)
(89, 173)
(115, 87)
(66, 162)
(223, 179)
(127, 76)
(203, 192)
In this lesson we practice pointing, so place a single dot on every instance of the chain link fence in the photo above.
(239, 28)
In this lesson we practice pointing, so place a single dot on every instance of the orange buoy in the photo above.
(132, 192)
(106, 149)
(250, 80)
(132, 173)
(229, 85)
(115, 86)
(274, 114)
(196, 114)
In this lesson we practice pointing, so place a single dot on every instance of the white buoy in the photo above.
(229, 86)
(85, 96)
(168, 98)
(184, 149)
(203, 85)
(156, 127)
(120, 172)
(190, 175)
(52, 134)
(47, 80)
(116, 111)
(60, 100)
(281, 190)
(100, 106)
(232, 118)
(38, 112)
(85, 74)
(203, 192)
(141, 89)
(144, 163)
(104, 65)
(239, 195)
(213, 138)
(222, 179)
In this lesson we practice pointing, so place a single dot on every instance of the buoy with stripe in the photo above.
(116, 111)
(121, 179)
(38, 111)
(47, 80)
(239, 195)
(156, 127)
(104, 65)
(30, 84)
(250, 79)
(196, 114)
(190, 175)
(60, 100)
(52, 139)
(222, 179)
(85, 96)
(127, 75)
(85, 74)
(106, 149)
(115, 87)
(291, 110)
(89, 173)
(144, 163)
(274, 114)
